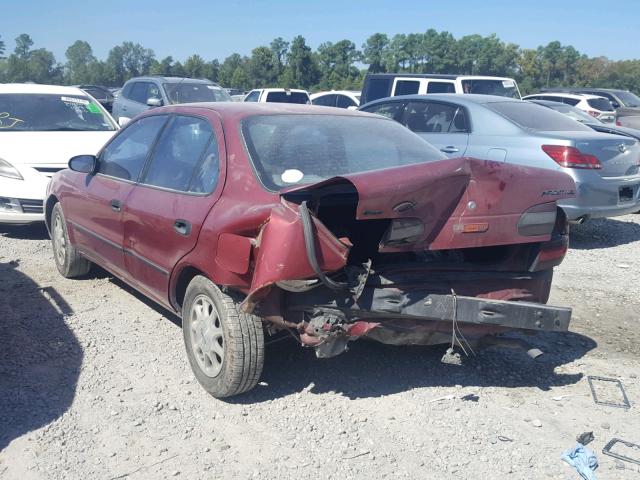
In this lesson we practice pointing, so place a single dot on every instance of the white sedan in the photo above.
(41, 128)
(337, 98)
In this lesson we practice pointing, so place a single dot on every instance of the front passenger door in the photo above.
(445, 126)
(96, 215)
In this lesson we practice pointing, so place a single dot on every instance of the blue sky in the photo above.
(216, 29)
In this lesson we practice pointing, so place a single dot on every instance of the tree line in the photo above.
(339, 65)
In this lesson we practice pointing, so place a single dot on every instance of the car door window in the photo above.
(153, 91)
(391, 110)
(460, 123)
(407, 87)
(325, 101)
(179, 152)
(345, 102)
(125, 156)
(429, 117)
(139, 92)
(253, 96)
(441, 87)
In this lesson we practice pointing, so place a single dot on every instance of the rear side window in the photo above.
(441, 87)
(179, 153)
(377, 88)
(389, 110)
(406, 87)
(325, 101)
(570, 101)
(600, 104)
(427, 117)
(345, 102)
(125, 156)
(536, 117)
(288, 97)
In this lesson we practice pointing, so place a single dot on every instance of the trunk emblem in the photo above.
(622, 148)
(471, 205)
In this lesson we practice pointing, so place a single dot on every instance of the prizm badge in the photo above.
(556, 193)
(622, 148)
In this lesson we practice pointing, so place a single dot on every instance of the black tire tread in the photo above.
(245, 355)
(75, 264)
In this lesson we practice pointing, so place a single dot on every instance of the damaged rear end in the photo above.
(452, 251)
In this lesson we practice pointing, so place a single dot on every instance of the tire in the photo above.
(69, 262)
(225, 346)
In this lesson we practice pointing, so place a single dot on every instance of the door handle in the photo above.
(449, 149)
(116, 205)
(182, 227)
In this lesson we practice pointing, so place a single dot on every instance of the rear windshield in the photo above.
(30, 112)
(629, 99)
(291, 150)
(536, 117)
(191, 92)
(600, 104)
(288, 97)
(502, 88)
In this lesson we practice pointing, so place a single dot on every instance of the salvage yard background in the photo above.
(94, 383)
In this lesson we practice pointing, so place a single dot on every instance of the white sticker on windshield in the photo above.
(292, 176)
(75, 100)
(508, 83)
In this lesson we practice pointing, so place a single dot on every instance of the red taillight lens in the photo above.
(571, 157)
(618, 123)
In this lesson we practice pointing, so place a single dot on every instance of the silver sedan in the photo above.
(605, 167)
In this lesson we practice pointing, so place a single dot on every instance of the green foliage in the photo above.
(338, 65)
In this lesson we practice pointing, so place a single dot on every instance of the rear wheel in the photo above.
(69, 262)
(225, 346)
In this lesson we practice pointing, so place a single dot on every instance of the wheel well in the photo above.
(51, 201)
(184, 278)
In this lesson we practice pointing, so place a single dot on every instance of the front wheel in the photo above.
(69, 262)
(225, 346)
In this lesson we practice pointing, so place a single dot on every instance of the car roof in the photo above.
(172, 79)
(240, 110)
(337, 92)
(278, 89)
(436, 75)
(462, 99)
(38, 88)
(576, 96)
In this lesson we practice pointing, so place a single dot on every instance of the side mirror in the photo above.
(84, 164)
(122, 121)
(154, 102)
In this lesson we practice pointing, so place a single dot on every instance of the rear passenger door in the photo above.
(444, 125)
(166, 210)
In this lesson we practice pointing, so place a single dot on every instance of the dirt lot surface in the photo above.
(94, 383)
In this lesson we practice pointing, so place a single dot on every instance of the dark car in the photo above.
(329, 223)
(102, 94)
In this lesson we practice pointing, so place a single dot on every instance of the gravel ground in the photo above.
(94, 383)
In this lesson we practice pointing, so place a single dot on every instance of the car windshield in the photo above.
(600, 104)
(502, 88)
(192, 92)
(288, 97)
(29, 112)
(290, 150)
(575, 113)
(536, 117)
(629, 99)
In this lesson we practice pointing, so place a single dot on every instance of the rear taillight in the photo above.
(538, 220)
(551, 254)
(571, 157)
(618, 123)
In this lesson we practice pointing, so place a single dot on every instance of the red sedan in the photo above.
(330, 223)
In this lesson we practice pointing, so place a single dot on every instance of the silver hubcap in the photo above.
(59, 243)
(207, 340)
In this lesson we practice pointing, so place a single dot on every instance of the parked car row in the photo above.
(415, 214)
